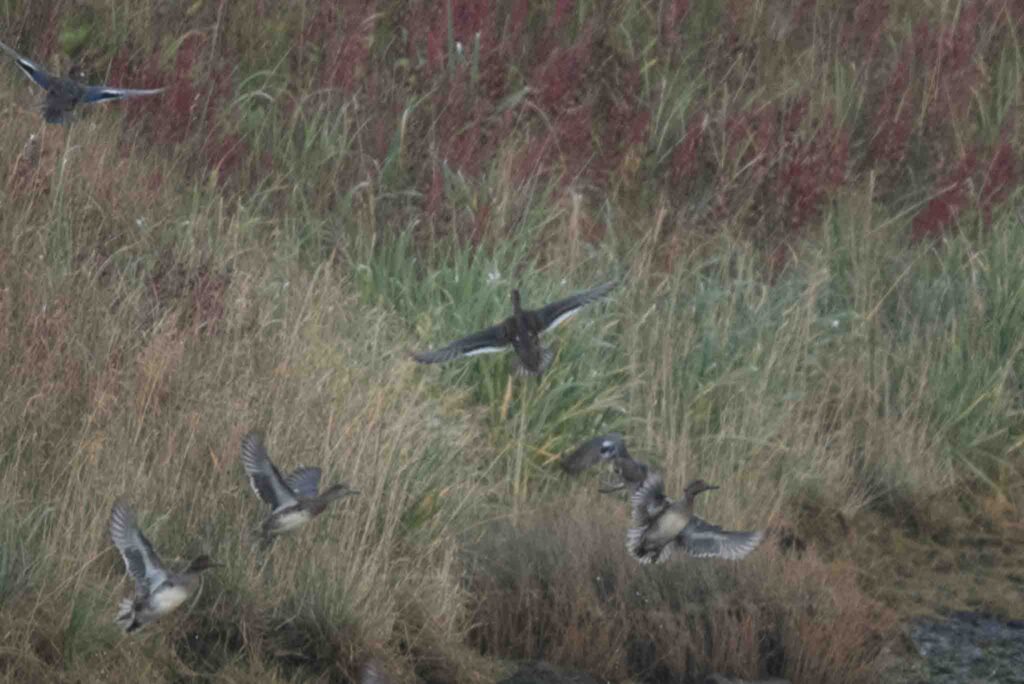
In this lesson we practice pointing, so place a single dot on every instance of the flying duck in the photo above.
(294, 500)
(64, 94)
(520, 331)
(609, 448)
(661, 525)
(157, 590)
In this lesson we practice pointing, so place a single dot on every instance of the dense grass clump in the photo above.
(558, 586)
(814, 211)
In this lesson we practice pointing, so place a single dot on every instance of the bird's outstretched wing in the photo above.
(487, 341)
(590, 453)
(633, 473)
(140, 560)
(582, 457)
(701, 539)
(304, 481)
(556, 313)
(37, 73)
(264, 477)
(106, 93)
(648, 500)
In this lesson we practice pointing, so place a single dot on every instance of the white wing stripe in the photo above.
(485, 350)
(563, 318)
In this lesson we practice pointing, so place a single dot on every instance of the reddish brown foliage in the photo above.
(812, 170)
(1001, 177)
(529, 161)
(224, 154)
(472, 23)
(956, 74)
(561, 15)
(573, 131)
(950, 198)
(515, 25)
(341, 33)
(788, 162)
(48, 41)
(891, 123)
(671, 18)
(560, 76)
(959, 189)
(184, 94)
(196, 102)
(471, 19)
(865, 30)
(684, 164)
(435, 193)
(590, 101)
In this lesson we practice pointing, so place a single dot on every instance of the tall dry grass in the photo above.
(130, 384)
(557, 585)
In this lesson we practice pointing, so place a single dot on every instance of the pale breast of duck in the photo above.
(667, 526)
(287, 521)
(169, 598)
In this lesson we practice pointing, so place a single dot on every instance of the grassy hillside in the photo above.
(816, 212)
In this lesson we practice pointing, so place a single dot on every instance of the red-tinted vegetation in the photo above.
(560, 90)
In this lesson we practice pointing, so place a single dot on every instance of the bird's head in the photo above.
(338, 491)
(517, 303)
(697, 486)
(611, 446)
(202, 562)
(76, 72)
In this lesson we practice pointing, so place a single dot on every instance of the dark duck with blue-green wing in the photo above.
(520, 331)
(157, 590)
(294, 500)
(64, 94)
(661, 525)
